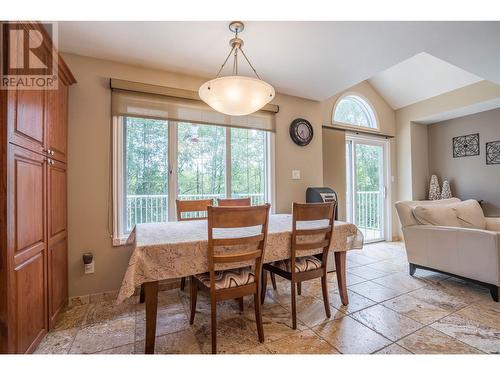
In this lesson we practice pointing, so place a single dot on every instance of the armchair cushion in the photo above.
(440, 215)
(470, 214)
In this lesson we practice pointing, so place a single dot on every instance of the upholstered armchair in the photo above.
(453, 237)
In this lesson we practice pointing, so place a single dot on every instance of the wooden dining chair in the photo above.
(234, 202)
(302, 268)
(237, 282)
(199, 210)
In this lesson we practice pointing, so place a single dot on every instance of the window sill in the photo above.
(119, 241)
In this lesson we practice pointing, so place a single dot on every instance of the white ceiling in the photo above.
(418, 78)
(309, 59)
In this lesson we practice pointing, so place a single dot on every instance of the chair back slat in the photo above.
(199, 205)
(314, 238)
(234, 202)
(241, 257)
(311, 245)
(237, 241)
(311, 211)
(310, 232)
(238, 217)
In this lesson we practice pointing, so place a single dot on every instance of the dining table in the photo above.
(171, 250)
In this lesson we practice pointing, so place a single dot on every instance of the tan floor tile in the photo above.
(470, 332)
(416, 309)
(430, 276)
(439, 297)
(261, 349)
(234, 335)
(169, 319)
(351, 337)
(374, 291)
(311, 311)
(102, 336)
(124, 349)
(389, 266)
(356, 302)
(105, 311)
(71, 317)
(430, 341)
(57, 342)
(182, 342)
(393, 349)
(387, 322)
(401, 282)
(360, 259)
(468, 291)
(276, 320)
(368, 273)
(488, 314)
(303, 342)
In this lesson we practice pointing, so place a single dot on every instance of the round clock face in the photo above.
(301, 131)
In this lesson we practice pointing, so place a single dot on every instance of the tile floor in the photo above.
(389, 312)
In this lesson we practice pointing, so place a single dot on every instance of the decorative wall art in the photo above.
(493, 152)
(466, 145)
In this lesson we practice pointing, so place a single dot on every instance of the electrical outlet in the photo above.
(296, 174)
(89, 268)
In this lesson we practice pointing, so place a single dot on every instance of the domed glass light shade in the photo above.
(236, 95)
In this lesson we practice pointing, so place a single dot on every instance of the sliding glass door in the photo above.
(366, 168)
(162, 161)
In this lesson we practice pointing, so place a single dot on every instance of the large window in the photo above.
(353, 110)
(159, 161)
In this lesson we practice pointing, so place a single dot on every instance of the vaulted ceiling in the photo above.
(308, 59)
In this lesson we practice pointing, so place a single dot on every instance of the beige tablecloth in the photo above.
(176, 249)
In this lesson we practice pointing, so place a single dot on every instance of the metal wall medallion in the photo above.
(466, 145)
(493, 152)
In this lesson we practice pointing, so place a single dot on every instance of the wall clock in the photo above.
(301, 132)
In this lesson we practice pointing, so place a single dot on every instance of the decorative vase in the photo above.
(446, 190)
(434, 192)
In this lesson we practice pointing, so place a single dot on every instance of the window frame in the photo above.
(371, 112)
(119, 235)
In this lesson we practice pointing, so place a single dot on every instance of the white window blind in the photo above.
(157, 106)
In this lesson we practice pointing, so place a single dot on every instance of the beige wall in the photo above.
(334, 169)
(470, 177)
(334, 165)
(412, 167)
(89, 168)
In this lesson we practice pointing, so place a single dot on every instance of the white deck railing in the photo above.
(154, 208)
(368, 210)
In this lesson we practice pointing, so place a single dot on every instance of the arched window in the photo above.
(352, 109)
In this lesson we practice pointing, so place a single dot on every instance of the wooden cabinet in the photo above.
(57, 239)
(33, 205)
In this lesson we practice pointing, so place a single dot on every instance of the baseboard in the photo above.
(113, 294)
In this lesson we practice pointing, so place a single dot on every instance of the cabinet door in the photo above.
(27, 246)
(26, 119)
(57, 122)
(57, 238)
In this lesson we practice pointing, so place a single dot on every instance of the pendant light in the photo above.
(236, 95)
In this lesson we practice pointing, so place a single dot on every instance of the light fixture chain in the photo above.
(249, 63)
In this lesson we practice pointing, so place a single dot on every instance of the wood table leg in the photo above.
(340, 258)
(151, 296)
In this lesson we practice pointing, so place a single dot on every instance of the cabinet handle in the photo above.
(50, 161)
(50, 152)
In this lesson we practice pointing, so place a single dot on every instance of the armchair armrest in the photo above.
(493, 223)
